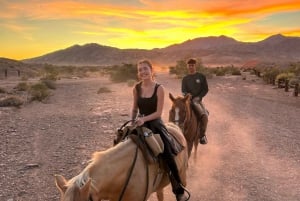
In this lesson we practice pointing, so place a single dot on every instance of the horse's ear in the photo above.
(84, 191)
(61, 182)
(187, 97)
(171, 97)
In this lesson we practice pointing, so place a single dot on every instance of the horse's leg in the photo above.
(160, 195)
(190, 147)
(196, 142)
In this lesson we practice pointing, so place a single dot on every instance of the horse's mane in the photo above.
(84, 176)
(80, 179)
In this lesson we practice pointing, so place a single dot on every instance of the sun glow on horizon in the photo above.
(34, 28)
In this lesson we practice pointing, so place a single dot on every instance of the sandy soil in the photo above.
(253, 133)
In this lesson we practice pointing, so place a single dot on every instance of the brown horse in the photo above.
(121, 174)
(183, 115)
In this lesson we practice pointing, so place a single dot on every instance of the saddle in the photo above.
(150, 144)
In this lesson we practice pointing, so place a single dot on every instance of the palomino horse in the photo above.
(121, 173)
(183, 115)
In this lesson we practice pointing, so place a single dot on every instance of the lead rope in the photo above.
(130, 173)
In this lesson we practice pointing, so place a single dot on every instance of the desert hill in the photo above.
(214, 51)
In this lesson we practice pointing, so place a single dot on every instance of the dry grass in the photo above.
(103, 90)
(11, 101)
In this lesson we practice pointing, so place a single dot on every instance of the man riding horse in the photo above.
(195, 83)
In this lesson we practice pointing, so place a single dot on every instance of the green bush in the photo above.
(51, 84)
(181, 68)
(51, 73)
(123, 73)
(22, 86)
(270, 74)
(131, 83)
(285, 76)
(39, 91)
(236, 71)
(294, 81)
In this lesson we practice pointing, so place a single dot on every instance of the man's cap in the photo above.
(191, 61)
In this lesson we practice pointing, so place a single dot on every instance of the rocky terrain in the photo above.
(253, 134)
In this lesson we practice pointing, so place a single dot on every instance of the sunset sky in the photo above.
(34, 27)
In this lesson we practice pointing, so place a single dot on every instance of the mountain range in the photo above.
(213, 51)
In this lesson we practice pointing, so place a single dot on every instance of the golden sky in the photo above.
(35, 27)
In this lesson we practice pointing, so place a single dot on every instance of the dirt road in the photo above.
(252, 154)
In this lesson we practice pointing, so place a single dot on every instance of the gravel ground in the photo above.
(252, 154)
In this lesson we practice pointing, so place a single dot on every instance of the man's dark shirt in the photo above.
(195, 84)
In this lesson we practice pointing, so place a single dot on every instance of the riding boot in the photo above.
(175, 178)
(177, 189)
(204, 121)
(172, 169)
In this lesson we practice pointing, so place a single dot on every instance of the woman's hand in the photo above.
(139, 121)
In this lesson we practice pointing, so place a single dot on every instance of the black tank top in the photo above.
(146, 105)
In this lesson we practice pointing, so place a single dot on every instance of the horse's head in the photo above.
(179, 109)
(119, 136)
(71, 191)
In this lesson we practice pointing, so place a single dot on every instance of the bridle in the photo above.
(177, 120)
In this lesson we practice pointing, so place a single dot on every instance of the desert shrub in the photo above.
(51, 73)
(285, 76)
(123, 73)
(103, 90)
(236, 71)
(70, 70)
(2, 90)
(270, 74)
(181, 68)
(39, 91)
(24, 78)
(131, 83)
(22, 86)
(50, 84)
(294, 68)
(93, 69)
(294, 81)
(219, 71)
(10, 101)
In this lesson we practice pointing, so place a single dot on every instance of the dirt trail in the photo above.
(253, 133)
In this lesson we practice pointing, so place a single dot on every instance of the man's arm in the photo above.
(204, 87)
(184, 90)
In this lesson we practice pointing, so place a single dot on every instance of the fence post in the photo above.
(296, 89)
(5, 73)
(273, 80)
(286, 88)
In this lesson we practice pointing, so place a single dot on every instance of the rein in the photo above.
(129, 176)
(130, 173)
